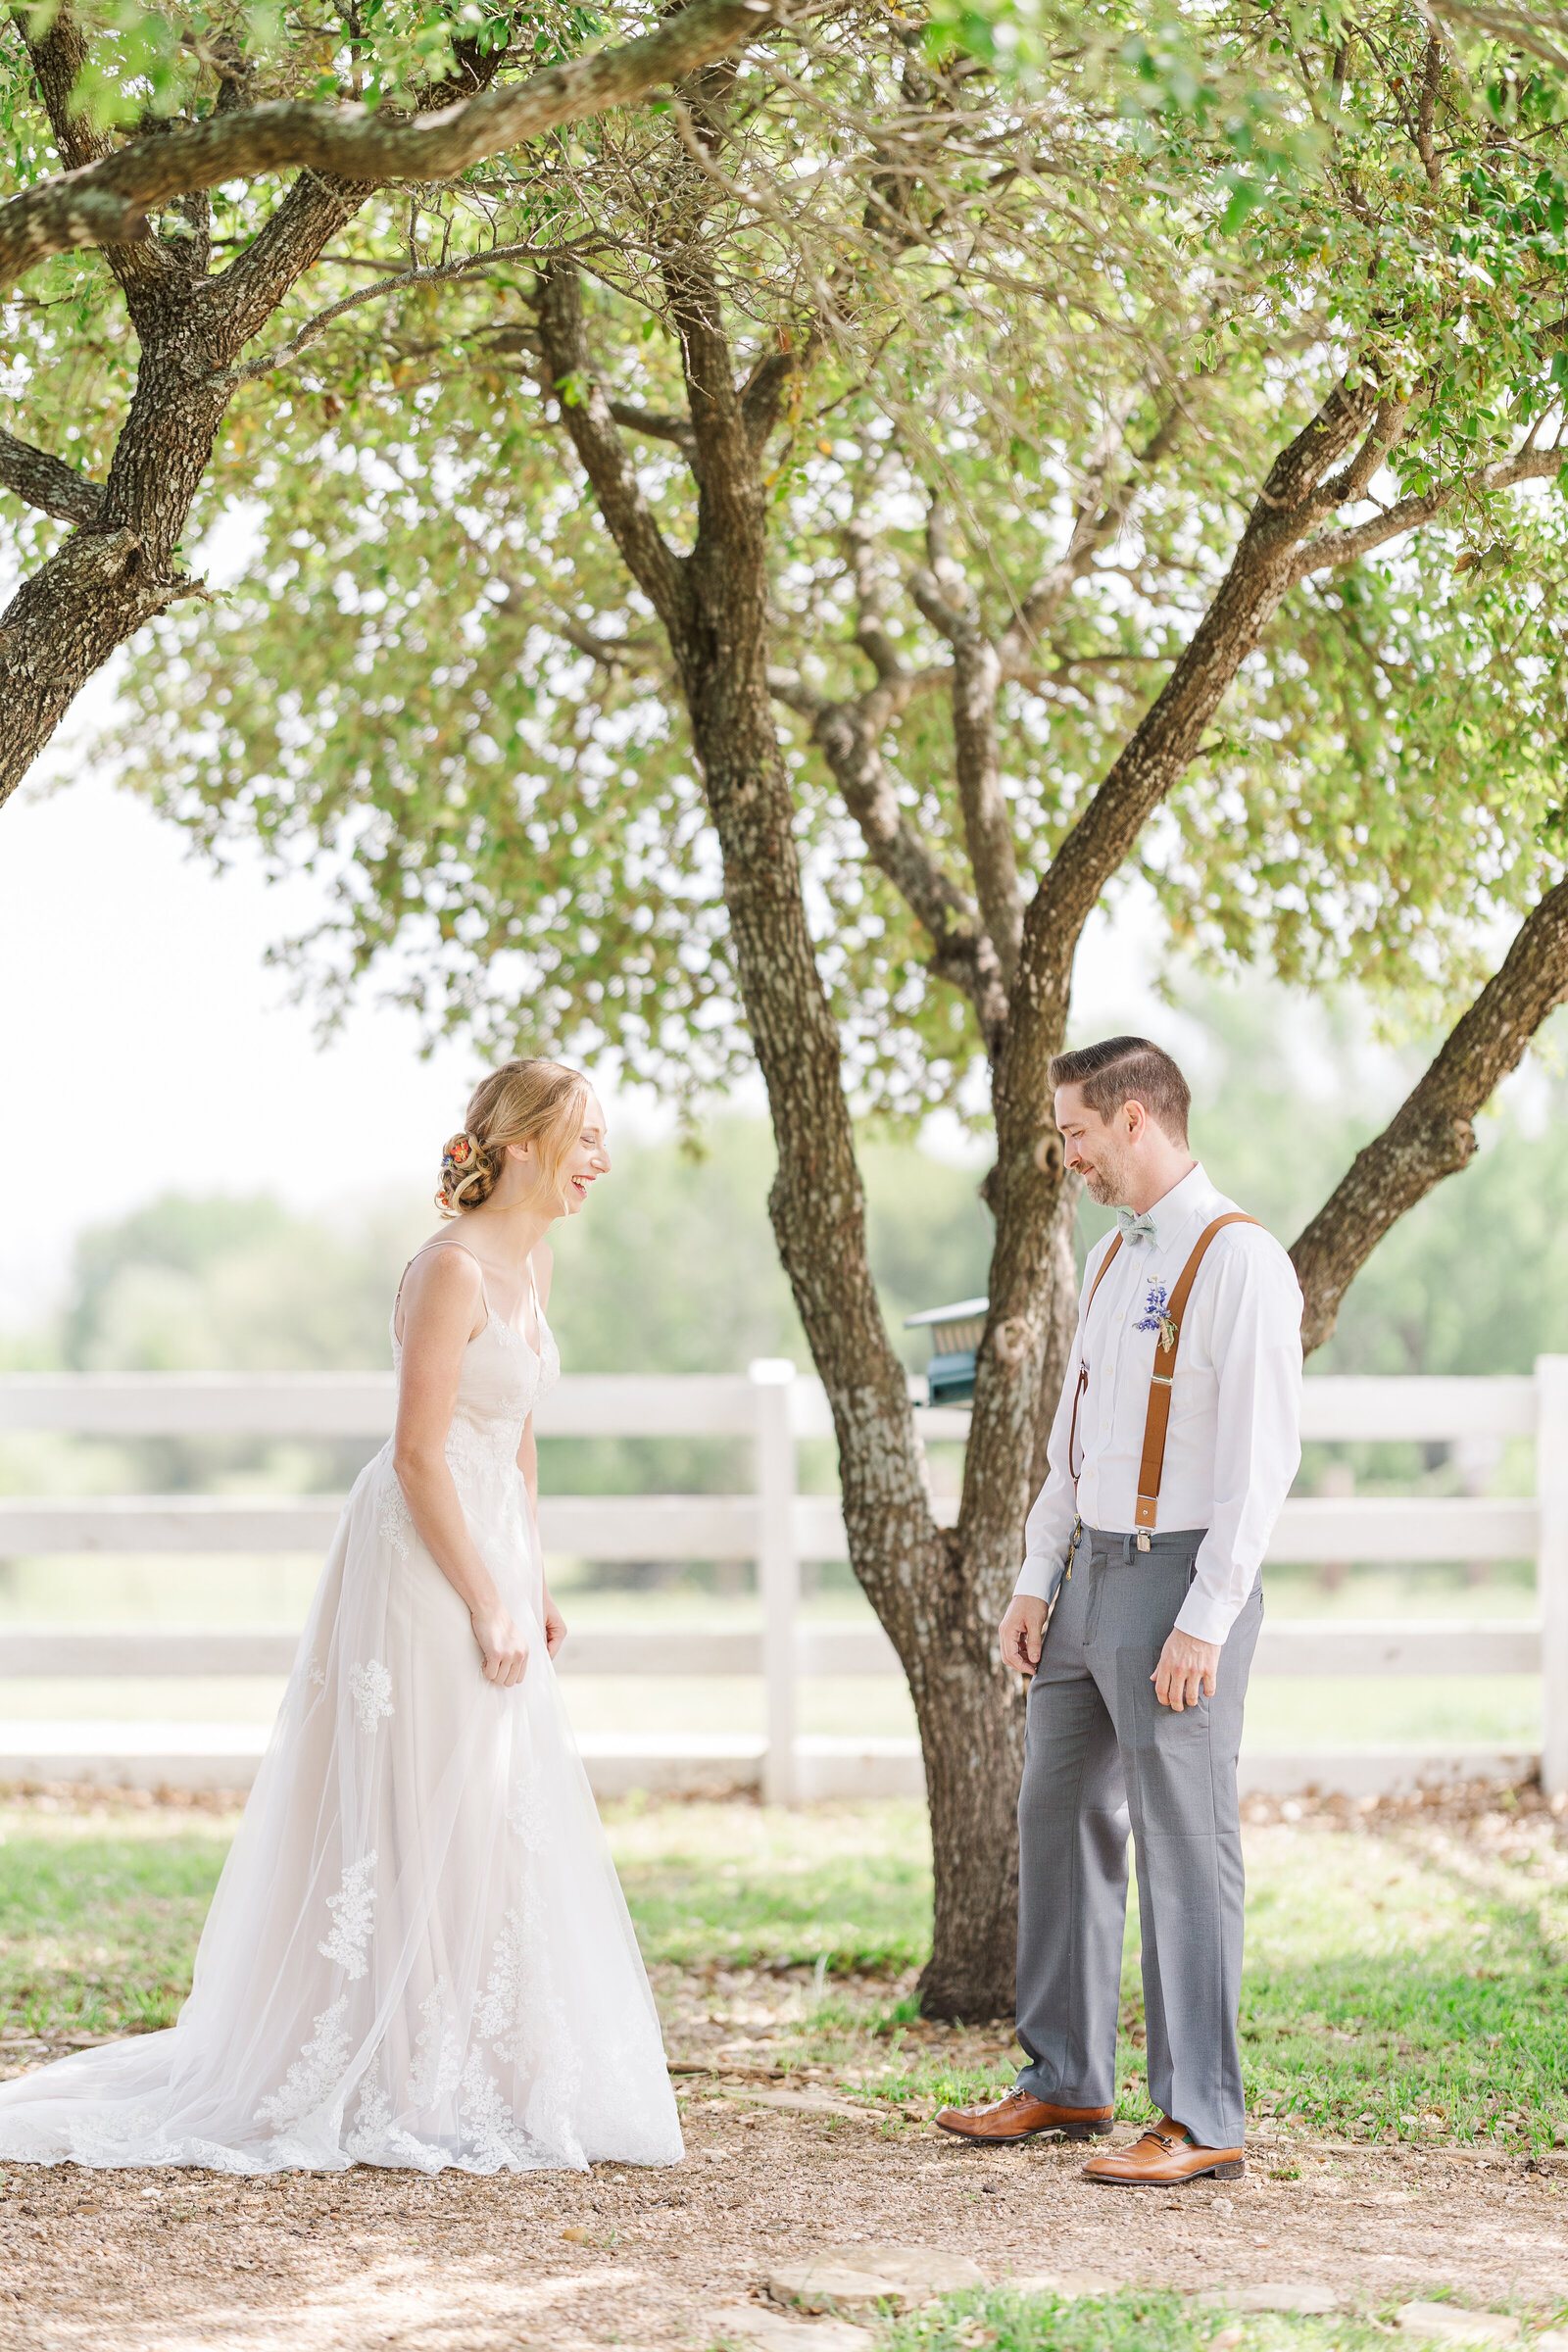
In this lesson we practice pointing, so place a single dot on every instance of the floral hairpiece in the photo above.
(459, 1153)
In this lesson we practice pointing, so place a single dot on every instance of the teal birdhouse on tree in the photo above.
(955, 1336)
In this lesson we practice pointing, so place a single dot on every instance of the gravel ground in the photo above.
(170, 2262)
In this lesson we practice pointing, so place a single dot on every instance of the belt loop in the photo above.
(1126, 1551)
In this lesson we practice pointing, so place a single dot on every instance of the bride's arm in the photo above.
(442, 1302)
(544, 1265)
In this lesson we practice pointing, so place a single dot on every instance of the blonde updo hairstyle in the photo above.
(523, 1101)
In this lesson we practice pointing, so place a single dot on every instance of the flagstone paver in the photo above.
(872, 2277)
(1445, 2323)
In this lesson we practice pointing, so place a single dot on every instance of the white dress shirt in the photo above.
(1234, 1441)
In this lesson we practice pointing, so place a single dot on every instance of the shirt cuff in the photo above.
(1208, 1616)
(1038, 1578)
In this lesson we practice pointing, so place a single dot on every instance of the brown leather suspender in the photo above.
(1151, 1468)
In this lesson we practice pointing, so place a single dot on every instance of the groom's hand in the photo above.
(1023, 1629)
(1187, 1666)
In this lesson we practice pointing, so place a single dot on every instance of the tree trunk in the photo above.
(971, 1723)
(713, 606)
(118, 572)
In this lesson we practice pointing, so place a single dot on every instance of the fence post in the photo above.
(1552, 1566)
(777, 1569)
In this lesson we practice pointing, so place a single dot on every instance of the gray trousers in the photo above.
(1104, 1756)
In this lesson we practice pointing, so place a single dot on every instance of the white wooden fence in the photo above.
(778, 1529)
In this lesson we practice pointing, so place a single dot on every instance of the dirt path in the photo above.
(170, 2262)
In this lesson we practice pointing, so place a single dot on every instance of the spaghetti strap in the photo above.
(421, 1253)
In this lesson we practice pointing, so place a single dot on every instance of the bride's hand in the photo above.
(554, 1625)
(506, 1653)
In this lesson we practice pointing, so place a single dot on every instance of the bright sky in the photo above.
(148, 1047)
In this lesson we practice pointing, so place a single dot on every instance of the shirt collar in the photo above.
(1180, 1206)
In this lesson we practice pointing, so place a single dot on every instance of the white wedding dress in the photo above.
(419, 1953)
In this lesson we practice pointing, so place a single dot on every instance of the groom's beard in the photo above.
(1105, 1183)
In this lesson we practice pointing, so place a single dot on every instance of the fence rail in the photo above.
(780, 1530)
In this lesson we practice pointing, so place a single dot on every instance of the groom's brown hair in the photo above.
(1128, 1069)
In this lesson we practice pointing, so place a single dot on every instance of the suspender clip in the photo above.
(1143, 1541)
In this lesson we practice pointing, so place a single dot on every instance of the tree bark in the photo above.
(48, 482)
(106, 201)
(121, 567)
(1432, 1135)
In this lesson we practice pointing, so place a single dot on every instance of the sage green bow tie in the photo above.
(1135, 1229)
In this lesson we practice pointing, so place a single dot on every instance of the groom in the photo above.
(1173, 1447)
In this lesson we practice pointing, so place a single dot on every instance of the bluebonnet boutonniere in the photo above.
(1157, 1317)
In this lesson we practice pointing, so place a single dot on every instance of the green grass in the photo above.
(1137, 2319)
(849, 1885)
(1409, 1984)
(99, 1916)
(1412, 1985)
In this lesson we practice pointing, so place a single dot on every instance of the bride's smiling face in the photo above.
(588, 1159)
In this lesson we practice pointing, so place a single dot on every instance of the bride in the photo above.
(417, 1953)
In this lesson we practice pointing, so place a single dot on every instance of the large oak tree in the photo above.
(994, 490)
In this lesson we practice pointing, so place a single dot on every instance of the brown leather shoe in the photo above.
(1165, 2157)
(1019, 2116)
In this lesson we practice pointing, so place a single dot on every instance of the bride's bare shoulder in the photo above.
(443, 1278)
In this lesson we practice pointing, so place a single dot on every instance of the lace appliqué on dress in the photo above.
(353, 1910)
(481, 1450)
(370, 1688)
(438, 2051)
(319, 2066)
(372, 2124)
(528, 1816)
(394, 1521)
(497, 2142)
(523, 2017)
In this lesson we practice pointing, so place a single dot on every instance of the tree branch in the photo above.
(1432, 1134)
(1336, 548)
(106, 201)
(268, 361)
(585, 413)
(654, 422)
(1527, 31)
(977, 769)
(1387, 426)
(849, 735)
(1169, 733)
(48, 483)
(1427, 115)
(771, 379)
(1096, 521)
